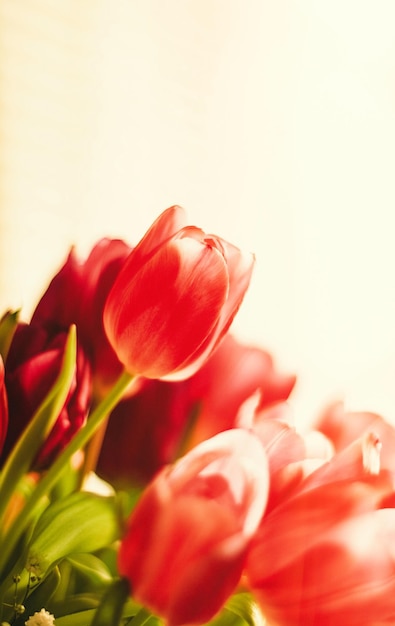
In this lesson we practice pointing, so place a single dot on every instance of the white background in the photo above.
(273, 123)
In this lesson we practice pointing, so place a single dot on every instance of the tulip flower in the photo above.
(174, 298)
(76, 295)
(187, 539)
(234, 373)
(33, 363)
(149, 429)
(325, 555)
(145, 429)
(3, 406)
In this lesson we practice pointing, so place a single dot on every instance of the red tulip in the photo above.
(3, 406)
(186, 542)
(174, 298)
(325, 555)
(76, 295)
(233, 373)
(32, 365)
(147, 429)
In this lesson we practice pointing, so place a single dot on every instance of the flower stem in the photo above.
(140, 618)
(92, 451)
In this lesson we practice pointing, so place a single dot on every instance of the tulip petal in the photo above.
(164, 227)
(54, 312)
(169, 222)
(239, 266)
(299, 523)
(168, 308)
(76, 295)
(347, 578)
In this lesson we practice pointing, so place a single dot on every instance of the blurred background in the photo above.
(272, 123)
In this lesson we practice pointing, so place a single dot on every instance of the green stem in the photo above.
(141, 617)
(50, 478)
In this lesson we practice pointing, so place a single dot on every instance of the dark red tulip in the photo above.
(76, 295)
(3, 406)
(149, 429)
(33, 363)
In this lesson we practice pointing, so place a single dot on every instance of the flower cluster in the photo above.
(150, 466)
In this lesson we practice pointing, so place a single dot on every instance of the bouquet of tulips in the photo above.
(150, 468)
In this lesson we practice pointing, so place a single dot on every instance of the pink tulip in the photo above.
(147, 429)
(186, 542)
(325, 555)
(174, 298)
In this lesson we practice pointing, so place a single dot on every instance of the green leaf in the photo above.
(110, 610)
(92, 568)
(76, 603)
(128, 500)
(227, 618)
(240, 610)
(82, 522)
(8, 324)
(244, 606)
(82, 618)
(143, 616)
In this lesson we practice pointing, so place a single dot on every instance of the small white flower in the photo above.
(43, 618)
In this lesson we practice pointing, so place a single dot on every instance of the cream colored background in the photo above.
(272, 122)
